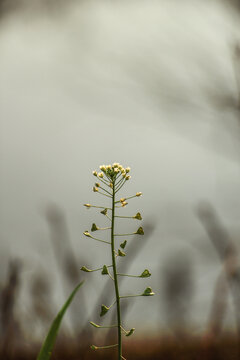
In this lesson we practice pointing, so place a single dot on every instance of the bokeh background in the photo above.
(154, 85)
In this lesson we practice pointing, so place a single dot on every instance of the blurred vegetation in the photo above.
(177, 291)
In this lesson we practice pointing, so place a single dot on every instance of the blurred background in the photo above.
(154, 85)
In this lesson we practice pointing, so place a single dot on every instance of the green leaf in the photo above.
(145, 273)
(123, 244)
(104, 270)
(104, 310)
(148, 292)
(46, 350)
(130, 332)
(86, 233)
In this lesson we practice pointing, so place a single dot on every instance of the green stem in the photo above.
(99, 192)
(116, 278)
(127, 198)
(100, 207)
(100, 187)
(136, 276)
(103, 181)
(105, 347)
(100, 268)
(102, 326)
(106, 242)
(108, 217)
(124, 234)
(128, 296)
(124, 217)
(121, 185)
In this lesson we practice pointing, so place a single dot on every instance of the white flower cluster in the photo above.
(111, 171)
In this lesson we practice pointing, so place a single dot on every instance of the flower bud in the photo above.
(102, 167)
(97, 185)
(94, 173)
(127, 169)
(128, 177)
(87, 206)
(124, 203)
(95, 189)
(86, 233)
(100, 175)
(138, 194)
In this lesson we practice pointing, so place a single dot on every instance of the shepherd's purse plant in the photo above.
(110, 181)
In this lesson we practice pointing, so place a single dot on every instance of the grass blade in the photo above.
(46, 350)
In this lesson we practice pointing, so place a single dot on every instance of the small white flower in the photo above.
(102, 167)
